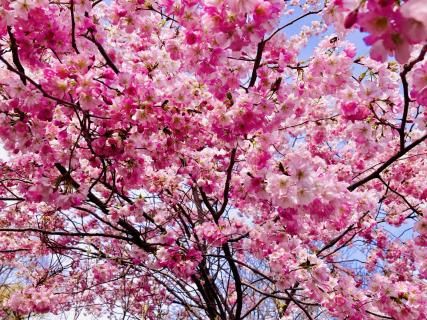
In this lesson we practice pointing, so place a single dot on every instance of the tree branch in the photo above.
(37, 85)
(406, 69)
(386, 164)
(227, 183)
(15, 55)
(134, 233)
(11, 199)
(237, 280)
(400, 195)
(65, 233)
(257, 63)
(73, 28)
(103, 53)
(291, 23)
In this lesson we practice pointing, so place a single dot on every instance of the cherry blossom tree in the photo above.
(185, 160)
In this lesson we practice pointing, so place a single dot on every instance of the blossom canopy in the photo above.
(214, 159)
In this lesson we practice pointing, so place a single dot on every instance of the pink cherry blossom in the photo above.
(216, 159)
(415, 26)
(354, 111)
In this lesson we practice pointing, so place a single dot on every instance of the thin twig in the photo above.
(291, 23)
